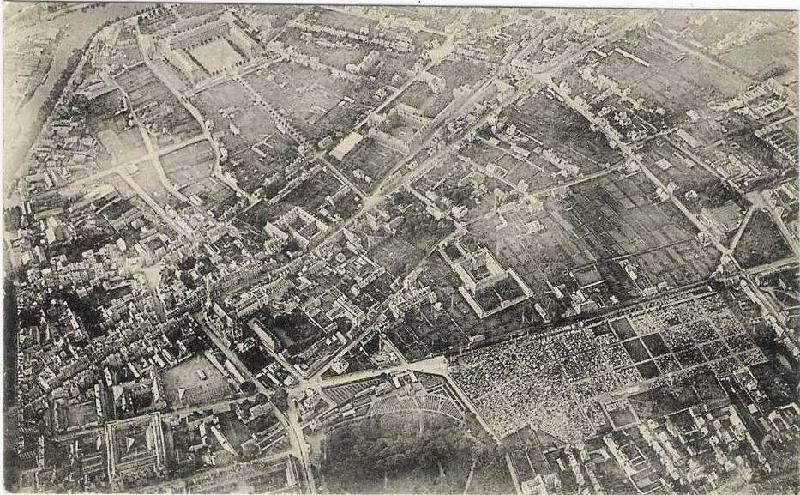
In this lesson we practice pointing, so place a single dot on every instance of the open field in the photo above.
(216, 55)
(659, 83)
(543, 121)
(81, 414)
(123, 146)
(184, 387)
(761, 242)
(189, 164)
(602, 222)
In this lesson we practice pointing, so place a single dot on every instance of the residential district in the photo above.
(340, 249)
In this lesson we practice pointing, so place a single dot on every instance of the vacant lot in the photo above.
(123, 145)
(216, 55)
(81, 414)
(761, 242)
(184, 387)
(189, 164)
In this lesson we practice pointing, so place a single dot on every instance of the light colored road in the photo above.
(368, 331)
(144, 44)
(384, 187)
(343, 10)
(248, 68)
(466, 400)
(514, 476)
(700, 226)
(286, 365)
(434, 366)
(177, 224)
(631, 155)
(628, 152)
(153, 157)
(297, 136)
(289, 421)
(290, 186)
(152, 151)
(277, 116)
(341, 176)
(577, 52)
(129, 167)
(22, 128)
(124, 170)
(738, 235)
(175, 147)
(155, 162)
(566, 185)
(469, 477)
(392, 181)
(775, 265)
(396, 94)
(302, 447)
(699, 161)
(757, 199)
(395, 182)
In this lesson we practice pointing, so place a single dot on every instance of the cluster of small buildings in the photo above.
(308, 311)
(94, 338)
(770, 109)
(706, 447)
(393, 41)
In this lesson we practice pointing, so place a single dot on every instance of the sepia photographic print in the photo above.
(399, 249)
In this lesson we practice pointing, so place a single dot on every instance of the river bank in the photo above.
(22, 126)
